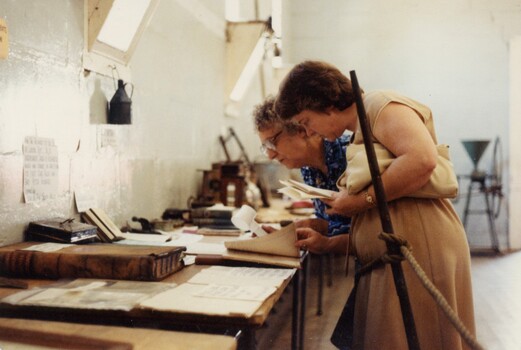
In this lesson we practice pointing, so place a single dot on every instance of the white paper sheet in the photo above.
(172, 239)
(206, 248)
(41, 180)
(242, 276)
(183, 299)
(219, 291)
(48, 247)
(90, 294)
(147, 237)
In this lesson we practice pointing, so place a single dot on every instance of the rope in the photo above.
(385, 258)
(405, 249)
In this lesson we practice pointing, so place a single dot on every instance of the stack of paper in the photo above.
(299, 191)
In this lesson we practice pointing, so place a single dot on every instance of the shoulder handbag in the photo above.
(442, 184)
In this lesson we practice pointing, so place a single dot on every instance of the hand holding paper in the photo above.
(298, 190)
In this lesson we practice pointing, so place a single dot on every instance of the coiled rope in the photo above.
(406, 253)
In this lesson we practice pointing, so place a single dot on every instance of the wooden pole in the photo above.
(385, 218)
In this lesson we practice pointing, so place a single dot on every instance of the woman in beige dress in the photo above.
(319, 97)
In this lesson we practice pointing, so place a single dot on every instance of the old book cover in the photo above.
(100, 260)
(107, 230)
(212, 212)
(218, 231)
(261, 258)
(60, 230)
(214, 222)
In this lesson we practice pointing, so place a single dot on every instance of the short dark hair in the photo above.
(313, 85)
(265, 117)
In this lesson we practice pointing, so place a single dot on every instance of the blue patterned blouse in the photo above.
(335, 156)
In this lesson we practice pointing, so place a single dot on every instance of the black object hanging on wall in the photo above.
(120, 106)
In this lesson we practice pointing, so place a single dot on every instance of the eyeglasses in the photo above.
(270, 144)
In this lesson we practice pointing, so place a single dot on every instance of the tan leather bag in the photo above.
(443, 182)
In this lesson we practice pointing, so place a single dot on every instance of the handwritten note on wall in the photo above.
(40, 169)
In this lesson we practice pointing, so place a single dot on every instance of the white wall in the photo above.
(177, 111)
(452, 55)
(515, 140)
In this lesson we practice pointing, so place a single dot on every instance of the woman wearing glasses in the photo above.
(321, 163)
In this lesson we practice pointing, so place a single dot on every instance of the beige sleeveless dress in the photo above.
(434, 230)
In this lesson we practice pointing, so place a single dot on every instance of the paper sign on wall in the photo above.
(4, 46)
(40, 169)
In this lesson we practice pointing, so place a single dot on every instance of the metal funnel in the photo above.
(475, 149)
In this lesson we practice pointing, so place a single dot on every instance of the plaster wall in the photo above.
(452, 55)
(129, 170)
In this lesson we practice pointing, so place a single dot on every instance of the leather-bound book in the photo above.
(100, 260)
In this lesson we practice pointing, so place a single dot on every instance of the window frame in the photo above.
(100, 57)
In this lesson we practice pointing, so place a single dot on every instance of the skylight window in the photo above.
(122, 23)
(112, 30)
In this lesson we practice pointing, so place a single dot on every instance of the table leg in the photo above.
(295, 311)
(246, 339)
(320, 282)
(303, 290)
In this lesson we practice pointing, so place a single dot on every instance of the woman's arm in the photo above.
(402, 132)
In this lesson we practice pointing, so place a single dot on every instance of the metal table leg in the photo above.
(295, 311)
(299, 305)
(303, 290)
(321, 258)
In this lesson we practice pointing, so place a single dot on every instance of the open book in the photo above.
(298, 190)
(109, 232)
(277, 248)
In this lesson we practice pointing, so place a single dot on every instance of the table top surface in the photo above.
(56, 334)
(161, 318)
(164, 319)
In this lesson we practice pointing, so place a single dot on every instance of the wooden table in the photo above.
(95, 337)
(242, 327)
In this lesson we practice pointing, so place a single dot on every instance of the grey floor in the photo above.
(497, 300)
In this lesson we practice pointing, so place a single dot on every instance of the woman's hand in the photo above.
(309, 239)
(345, 204)
(319, 225)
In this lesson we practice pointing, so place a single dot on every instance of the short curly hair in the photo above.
(313, 85)
(265, 117)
